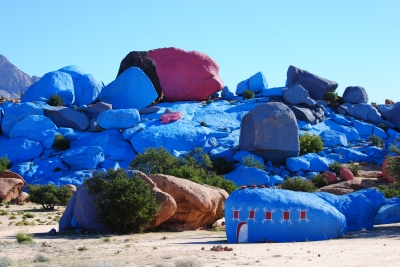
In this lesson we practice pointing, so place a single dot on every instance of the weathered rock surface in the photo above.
(67, 117)
(355, 95)
(11, 185)
(14, 113)
(118, 118)
(198, 206)
(186, 75)
(255, 83)
(140, 59)
(316, 86)
(270, 131)
(346, 187)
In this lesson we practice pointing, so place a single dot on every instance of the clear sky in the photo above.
(352, 42)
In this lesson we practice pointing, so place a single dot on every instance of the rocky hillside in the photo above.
(13, 81)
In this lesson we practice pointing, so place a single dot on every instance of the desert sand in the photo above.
(379, 247)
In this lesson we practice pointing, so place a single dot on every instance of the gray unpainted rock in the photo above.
(270, 131)
(296, 94)
(316, 86)
(312, 115)
(355, 95)
(67, 117)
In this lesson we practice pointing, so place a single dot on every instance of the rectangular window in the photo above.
(303, 215)
(286, 215)
(268, 215)
(251, 214)
(235, 214)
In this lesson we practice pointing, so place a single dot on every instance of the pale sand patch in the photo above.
(380, 247)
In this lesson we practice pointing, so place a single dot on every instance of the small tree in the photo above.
(375, 140)
(49, 195)
(61, 142)
(4, 163)
(249, 161)
(55, 100)
(310, 143)
(248, 94)
(331, 96)
(335, 167)
(393, 166)
(125, 205)
(320, 180)
(155, 160)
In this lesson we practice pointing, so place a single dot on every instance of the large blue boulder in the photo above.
(113, 145)
(329, 124)
(14, 113)
(19, 149)
(359, 208)
(339, 118)
(118, 118)
(36, 128)
(363, 128)
(131, 89)
(355, 95)
(249, 176)
(316, 86)
(55, 82)
(309, 162)
(256, 83)
(257, 215)
(86, 89)
(389, 213)
(393, 115)
(297, 94)
(333, 138)
(67, 117)
(275, 91)
(84, 157)
(75, 72)
(350, 154)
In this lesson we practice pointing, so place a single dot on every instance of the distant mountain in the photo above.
(13, 81)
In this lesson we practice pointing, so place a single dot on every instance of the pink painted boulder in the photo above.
(186, 75)
(331, 177)
(172, 116)
(346, 174)
(384, 170)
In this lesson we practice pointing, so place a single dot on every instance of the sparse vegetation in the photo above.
(248, 94)
(84, 248)
(250, 161)
(107, 240)
(5, 261)
(375, 140)
(4, 163)
(383, 127)
(49, 195)
(221, 165)
(190, 262)
(55, 100)
(61, 142)
(41, 258)
(203, 123)
(331, 96)
(310, 143)
(335, 167)
(24, 238)
(390, 192)
(354, 168)
(393, 166)
(298, 184)
(114, 191)
(320, 180)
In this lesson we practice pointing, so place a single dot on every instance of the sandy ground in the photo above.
(380, 247)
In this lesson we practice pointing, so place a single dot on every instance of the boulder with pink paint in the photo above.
(172, 116)
(346, 174)
(331, 177)
(186, 75)
(385, 172)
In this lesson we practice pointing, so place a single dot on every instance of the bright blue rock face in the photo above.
(389, 213)
(256, 83)
(350, 154)
(112, 143)
(86, 89)
(350, 132)
(262, 215)
(275, 91)
(363, 128)
(20, 149)
(14, 113)
(309, 162)
(35, 128)
(333, 138)
(359, 208)
(341, 119)
(131, 89)
(85, 157)
(249, 176)
(118, 118)
(74, 71)
(56, 82)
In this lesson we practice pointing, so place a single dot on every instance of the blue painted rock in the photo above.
(255, 83)
(131, 89)
(316, 86)
(274, 215)
(20, 149)
(309, 162)
(67, 117)
(249, 176)
(359, 208)
(389, 213)
(84, 157)
(86, 89)
(75, 71)
(333, 138)
(56, 82)
(393, 115)
(14, 113)
(118, 118)
(355, 95)
(36, 128)
(270, 131)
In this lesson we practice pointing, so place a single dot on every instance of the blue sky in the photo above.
(352, 42)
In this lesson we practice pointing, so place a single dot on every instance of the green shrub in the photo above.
(55, 100)
(24, 238)
(249, 161)
(188, 262)
(383, 127)
(310, 143)
(125, 205)
(335, 167)
(4, 212)
(248, 94)
(41, 258)
(61, 142)
(204, 124)
(354, 168)
(4, 163)
(320, 180)
(331, 96)
(5, 261)
(155, 160)
(375, 140)
(389, 192)
(222, 166)
(298, 184)
(49, 195)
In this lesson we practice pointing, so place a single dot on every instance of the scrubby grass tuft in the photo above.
(298, 184)
(24, 238)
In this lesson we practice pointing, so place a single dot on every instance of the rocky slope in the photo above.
(13, 81)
